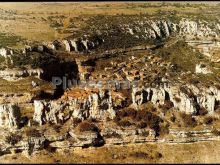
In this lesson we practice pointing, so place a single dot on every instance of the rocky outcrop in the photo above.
(48, 112)
(84, 43)
(9, 116)
(148, 29)
(206, 97)
(5, 52)
(33, 144)
(117, 135)
(181, 136)
(202, 68)
(186, 99)
(95, 105)
(207, 47)
(101, 104)
(86, 139)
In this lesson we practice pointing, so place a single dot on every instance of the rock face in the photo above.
(101, 104)
(164, 28)
(207, 97)
(84, 43)
(34, 144)
(187, 100)
(48, 112)
(95, 105)
(9, 116)
(86, 139)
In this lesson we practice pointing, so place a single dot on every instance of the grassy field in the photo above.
(38, 21)
(199, 152)
(23, 85)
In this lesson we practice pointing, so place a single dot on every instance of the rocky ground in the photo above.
(141, 80)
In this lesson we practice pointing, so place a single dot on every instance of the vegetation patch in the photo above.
(87, 126)
(188, 120)
(13, 138)
(180, 55)
(8, 40)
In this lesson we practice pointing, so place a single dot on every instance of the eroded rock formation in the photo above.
(9, 116)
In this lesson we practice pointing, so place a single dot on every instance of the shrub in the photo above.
(177, 99)
(113, 135)
(167, 105)
(151, 119)
(188, 120)
(141, 118)
(163, 130)
(194, 81)
(209, 120)
(157, 155)
(216, 132)
(57, 128)
(13, 139)
(76, 121)
(142, 124)
(32, 132)
(140, 154)
(129, 112)
(202, 111)
(50, 149)
(87, 126)
(189, 134)
(124, 123)
(173, 119)
(145, 133)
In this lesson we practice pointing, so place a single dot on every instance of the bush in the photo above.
(177, 99)
(216, 132)
(129, 112)
(202, 111)
(140, 154)
(13, 139)
(113, 135)
(87, 126)
(141, 118)
(57, 128)
(188, 120)
(163, 130)
(209, 120)
(173, 119)
(142, 124)
(76, 121)
(157, 155)
(32, 132)
(124, 123)
(151, 119)
(167, 105)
